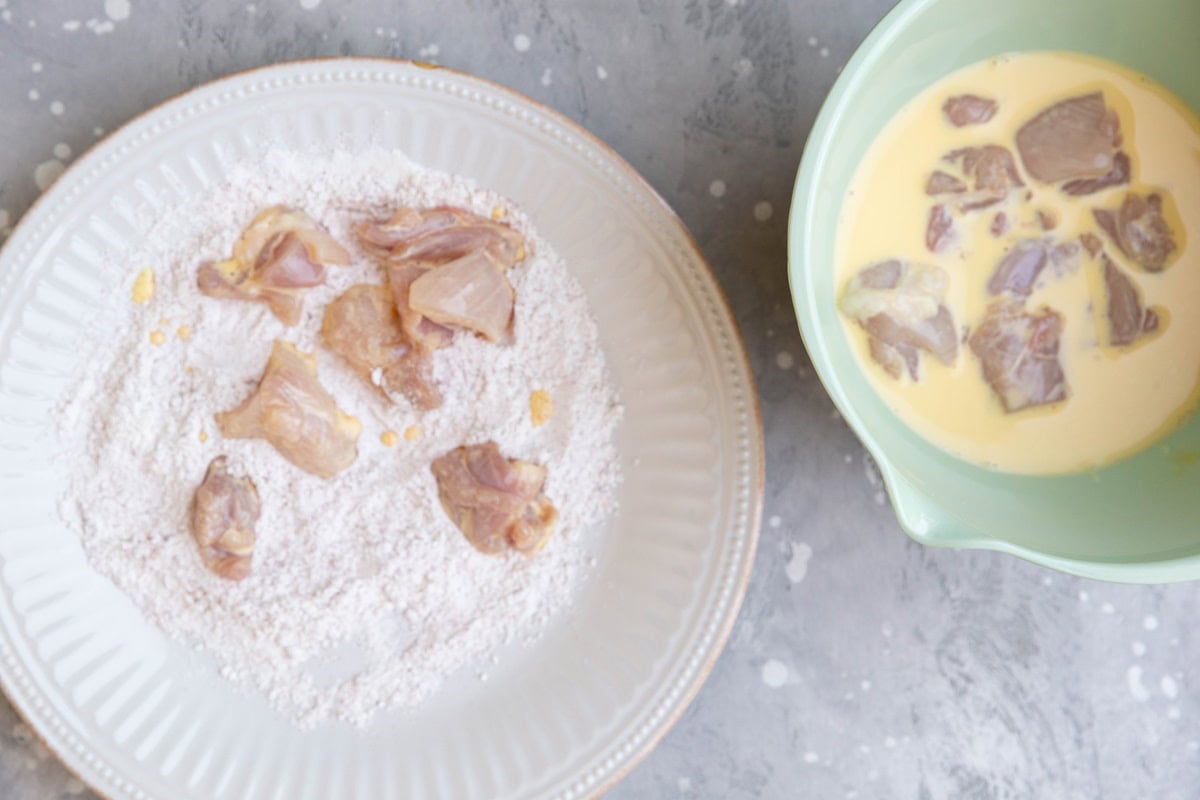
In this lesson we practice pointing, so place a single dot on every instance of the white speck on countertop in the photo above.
(71, 25)
(1138, 648)
(811, 758)
(774, 673)
(309, 5)
(717, 188)
(34, 94)
(743, 67)
(784, 360)
(797, 566)
(1107, 608)
(1170, 689)
(1134, 678)
(546, 77)
(36, 66)
(1150, 623)
(684, 783)
(813, 41)
(601, 73)
(1083, 596)
(117, 10)
(47, 173)
(522, 43)
(62, 150)
(824, 52)
(57, 108)
(763, 211)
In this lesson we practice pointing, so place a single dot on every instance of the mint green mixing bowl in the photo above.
(1136, 521)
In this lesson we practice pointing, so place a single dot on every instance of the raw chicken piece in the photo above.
(496, 502)
(900, 307)
(944, 183)
(999, 224)
(1073, 140)
(939, 232)
(1091, 242)
(418, 328)
(1128, 320)
(1117, 176)
(362, 326)
(1139, 231)
(224, 511)
(292, 411)
(968, 109)
(990, 170)
(1018, 271)
(1018, 352)
(412, 243)
(282, 253)
(1047, 219)
(440, 235)
(468, 293)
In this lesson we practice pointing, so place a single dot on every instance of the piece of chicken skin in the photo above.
(291, 410)
(224, 512)
(280, 255)
(362, 326)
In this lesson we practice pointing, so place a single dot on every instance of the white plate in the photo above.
(138, 716)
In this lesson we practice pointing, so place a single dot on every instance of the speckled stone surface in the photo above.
(863, 665)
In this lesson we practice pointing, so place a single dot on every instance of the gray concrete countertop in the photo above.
(862, 665)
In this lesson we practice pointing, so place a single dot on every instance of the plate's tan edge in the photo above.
(759, 475)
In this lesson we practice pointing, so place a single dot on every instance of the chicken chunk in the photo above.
(1117, 176)
(1128, 319)
(440, 235)
(968, 109)
(291, 410)
(1019, 269)
(468, 293)
(496, 502)
(944, 183)
(416, 246)
(939, 231)
(224, 513)
(1018, 352)
(1076, 139)
(900, 307)
(362, 326)
(1140, 231)
(990, 171)
(281, 254)
(418, 328)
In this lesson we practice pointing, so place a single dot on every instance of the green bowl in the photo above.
(1136, 521)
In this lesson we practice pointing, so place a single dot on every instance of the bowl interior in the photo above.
(1130, 521)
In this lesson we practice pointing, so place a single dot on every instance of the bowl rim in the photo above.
(901, 491)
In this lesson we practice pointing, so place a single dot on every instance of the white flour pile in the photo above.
(363, 595)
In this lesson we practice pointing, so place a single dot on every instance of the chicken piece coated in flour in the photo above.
(362, 326)
(496, 502)
(291, 410)
(224, 512)
(280, 255)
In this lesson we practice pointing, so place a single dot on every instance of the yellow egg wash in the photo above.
(1120, 399)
